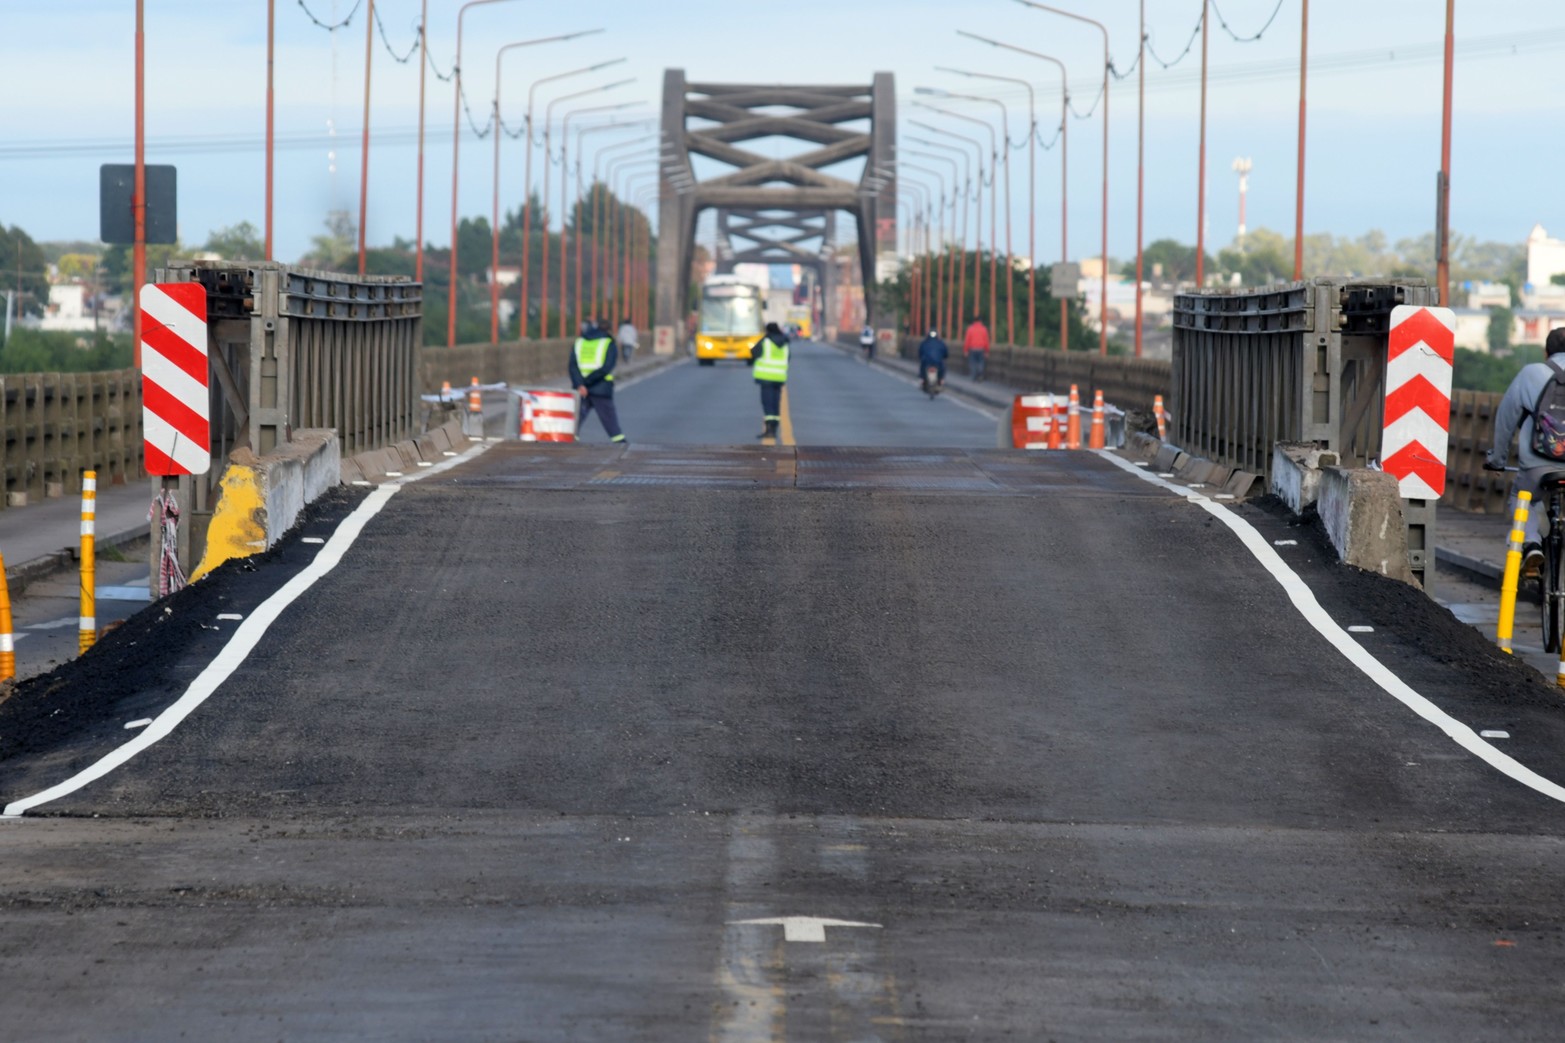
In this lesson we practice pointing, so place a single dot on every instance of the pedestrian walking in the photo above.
(592, 375)
(769, 360)
(627, 340)
(975, 343)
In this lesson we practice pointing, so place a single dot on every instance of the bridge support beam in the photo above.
(771, 210)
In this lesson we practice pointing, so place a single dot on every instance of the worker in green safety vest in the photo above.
(592, 375)
(769, 360)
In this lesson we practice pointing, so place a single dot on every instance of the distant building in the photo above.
(506, 274)
(1472, 327)
(1545, 257)
(68, 309)
(1488, 294)
(1534, 324)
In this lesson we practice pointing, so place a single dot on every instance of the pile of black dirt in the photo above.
(1422, 641)
(65, 719)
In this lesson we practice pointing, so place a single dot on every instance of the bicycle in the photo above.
(1551, 575)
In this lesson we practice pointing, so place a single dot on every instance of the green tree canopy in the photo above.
(240, 242)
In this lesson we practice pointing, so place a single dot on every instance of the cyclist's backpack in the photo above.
(1548, 416)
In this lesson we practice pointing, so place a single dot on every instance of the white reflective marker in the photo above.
(425, 463)
(229, 615)
(805, 928)
(393, 474)
(1361, 629)
(360, 481)
(131, 725)
(311, 539)
(1285, 543)
(1492, 734)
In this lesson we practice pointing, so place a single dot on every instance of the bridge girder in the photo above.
(775, 205)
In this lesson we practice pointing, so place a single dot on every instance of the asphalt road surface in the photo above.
(802, 742)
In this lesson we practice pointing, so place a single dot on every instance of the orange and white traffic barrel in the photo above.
(1162, 422)
(1032, 419)
(548, 416)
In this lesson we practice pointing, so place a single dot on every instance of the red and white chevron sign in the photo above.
(175, 408)
(1418, 399)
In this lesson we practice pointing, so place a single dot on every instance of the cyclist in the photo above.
(1516, 412)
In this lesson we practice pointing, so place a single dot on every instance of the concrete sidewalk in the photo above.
(45, 535)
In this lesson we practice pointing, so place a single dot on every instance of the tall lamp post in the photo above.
(1443, 211)
(610, 276)
(1032, 192)
(494, 249)
(527, 188)
(1005, 154)
(958, 281)
(565, 149)
(1065, 101)
(994, 165)
(1298, 202)
(938, 303)
(548, 161)
(604, 170)
(1103, 302)
(456, 146)
(591, 192)
(978, 217)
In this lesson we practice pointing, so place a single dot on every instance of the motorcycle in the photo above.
(932, 384)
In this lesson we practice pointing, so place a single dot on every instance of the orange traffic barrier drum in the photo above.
(548, 416)
(1032, 421)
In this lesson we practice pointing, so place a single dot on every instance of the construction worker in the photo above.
(769, 360)
(592, 375)
(975, 343)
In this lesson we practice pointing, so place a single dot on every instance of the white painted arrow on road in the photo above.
(805, 928)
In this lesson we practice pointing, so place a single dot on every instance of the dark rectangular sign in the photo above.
(116, 186)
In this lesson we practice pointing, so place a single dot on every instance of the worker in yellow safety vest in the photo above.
(769, 360)
(592, 375)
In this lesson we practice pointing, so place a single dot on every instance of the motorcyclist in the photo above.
(932, 353)
(867, 342)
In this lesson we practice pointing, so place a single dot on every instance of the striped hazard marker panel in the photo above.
(175, 407)
(1418, 399)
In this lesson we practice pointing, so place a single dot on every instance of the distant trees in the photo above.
(23, 267)
(240, 242)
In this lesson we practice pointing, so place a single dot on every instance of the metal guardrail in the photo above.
(1468, 487)
(1126, 382)
(1301, 362)
(294, 348)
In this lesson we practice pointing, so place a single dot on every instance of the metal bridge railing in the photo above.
(1301, 362)
(292, 349)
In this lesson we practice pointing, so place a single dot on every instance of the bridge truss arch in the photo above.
(774, 210)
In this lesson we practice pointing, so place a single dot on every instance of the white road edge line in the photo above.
(1304, 601)
(246, 636)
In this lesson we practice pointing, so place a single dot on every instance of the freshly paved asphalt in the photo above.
(563, 716)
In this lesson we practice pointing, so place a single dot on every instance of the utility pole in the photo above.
(1242, 167)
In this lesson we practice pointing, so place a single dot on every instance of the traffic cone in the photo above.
(1162, 425)
(528, 434)
(1073, 420)
(1056, 427)
(445, 391)
(1095, 435)
(475, 398)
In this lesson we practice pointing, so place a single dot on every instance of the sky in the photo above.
(1374, 105)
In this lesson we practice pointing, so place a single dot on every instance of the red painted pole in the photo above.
(581, 209)
(456, 153)
(364, 148)
(1298, 203)
(1443, 248)
(1141, 170)
(138, 202)
(423, 68)
(271, 56)
(1200, 203)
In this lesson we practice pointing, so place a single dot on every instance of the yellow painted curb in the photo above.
(238, 527)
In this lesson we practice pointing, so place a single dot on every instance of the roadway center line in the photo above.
(246, 637)
(1304, 601)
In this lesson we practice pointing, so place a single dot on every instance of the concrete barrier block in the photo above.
(1296, 470)
(425, 444)
(1143, 446)
(440, 438)
(408, 453)
(1361, 511)
(263, 496)
(1168, 458)
(351, 472)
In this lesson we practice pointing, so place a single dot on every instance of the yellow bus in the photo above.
(730, 319)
